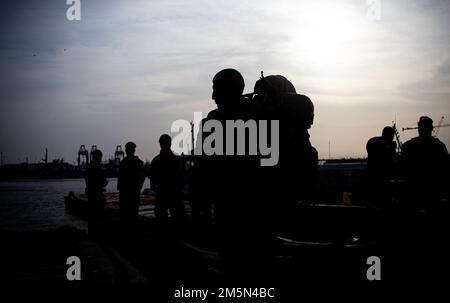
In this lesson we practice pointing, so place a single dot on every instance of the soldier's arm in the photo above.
(119, 177)
(87, 178)
(141, 173)
(104, 179)
(153, 174)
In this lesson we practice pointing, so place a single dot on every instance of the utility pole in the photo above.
(192, 137)
(329, 149)
(46, 156)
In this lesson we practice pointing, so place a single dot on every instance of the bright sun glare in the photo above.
(325, 35)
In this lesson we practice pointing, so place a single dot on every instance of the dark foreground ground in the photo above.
(159, 259)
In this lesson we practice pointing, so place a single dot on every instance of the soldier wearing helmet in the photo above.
(293, 179)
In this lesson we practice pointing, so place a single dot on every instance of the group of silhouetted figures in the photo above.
(249, 203)
(417, 177)
(131, 178)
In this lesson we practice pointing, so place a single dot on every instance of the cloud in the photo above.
(128, 69)
(434, 86)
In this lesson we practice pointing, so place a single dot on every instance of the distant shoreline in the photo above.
(48, 171)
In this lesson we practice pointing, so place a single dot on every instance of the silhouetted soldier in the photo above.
(381, 156)
(268, 95)
(425, 163)
(95, 183)
(298, 158)
(228, 181)
(130, 181)
(294, 177)
(219, 173)
(213, 173)
(166, 181)
(228, 86)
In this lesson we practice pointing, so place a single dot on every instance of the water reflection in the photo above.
(38, 205)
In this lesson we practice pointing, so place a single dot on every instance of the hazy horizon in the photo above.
(127, 70)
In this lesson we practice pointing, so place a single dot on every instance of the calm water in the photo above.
(38, 205)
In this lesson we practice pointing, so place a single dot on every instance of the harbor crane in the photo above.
(45, 159)
(118, 154)
(83, 153)
(91, 154)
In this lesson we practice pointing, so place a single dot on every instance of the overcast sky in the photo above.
(128, 69)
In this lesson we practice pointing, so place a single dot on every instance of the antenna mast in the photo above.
(397, 137)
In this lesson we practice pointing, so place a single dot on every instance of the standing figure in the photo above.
(228, 181)
(166, 181)
(219, 180)
(381, 167)
(294, 177)
(95, 183)
(425, 163)
(130, 181)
